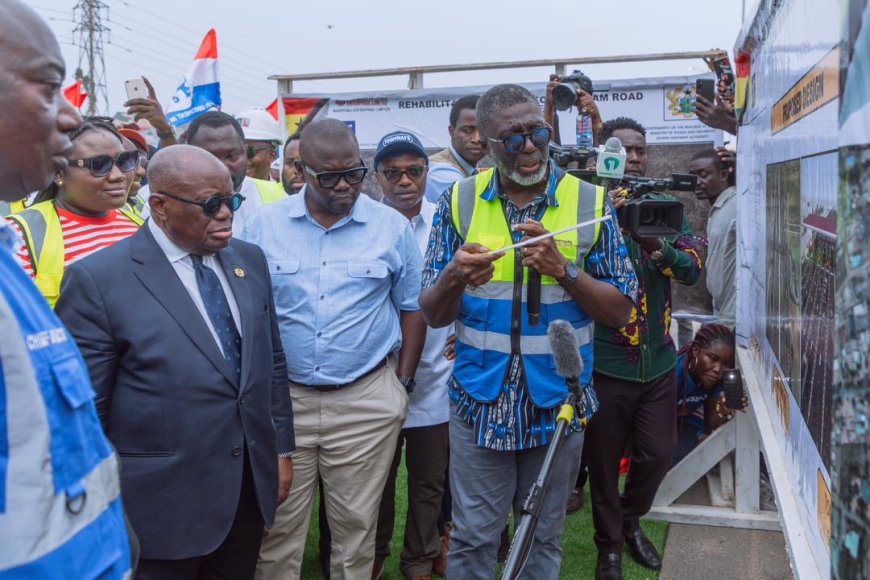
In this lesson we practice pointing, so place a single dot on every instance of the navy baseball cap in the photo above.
(397, 143)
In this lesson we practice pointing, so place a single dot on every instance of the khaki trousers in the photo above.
(348, 437)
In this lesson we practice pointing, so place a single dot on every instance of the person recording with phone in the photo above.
(504, 392)
(142, 103)
(635, 380)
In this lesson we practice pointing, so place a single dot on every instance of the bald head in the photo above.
(325, 137)
(191, 195)
(180, 167)
(36, 119)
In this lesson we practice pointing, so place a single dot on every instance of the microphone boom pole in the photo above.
(568, 365)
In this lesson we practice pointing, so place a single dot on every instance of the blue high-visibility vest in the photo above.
(60, 506)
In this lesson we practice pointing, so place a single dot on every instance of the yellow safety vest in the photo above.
(270, 191)
(483, 330)
(43, 236)
(9, 208)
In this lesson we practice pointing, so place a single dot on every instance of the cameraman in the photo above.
(585, 106)
(636, 382)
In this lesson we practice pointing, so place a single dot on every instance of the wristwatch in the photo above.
(408, 382)
(571, 274)
(658, 255)
(167, 135)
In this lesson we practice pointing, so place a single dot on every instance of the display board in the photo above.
(788, 167)
(850, 470)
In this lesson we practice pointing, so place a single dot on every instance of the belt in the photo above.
(328, 388)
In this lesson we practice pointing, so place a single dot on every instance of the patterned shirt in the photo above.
(513, 422)
(643, 350)
(82, 236)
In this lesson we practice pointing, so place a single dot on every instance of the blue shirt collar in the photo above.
(555, 176)
(466, 166)
(361, 212)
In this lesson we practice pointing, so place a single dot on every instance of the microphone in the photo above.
(611, 160)
(533, 297)
(563, 341)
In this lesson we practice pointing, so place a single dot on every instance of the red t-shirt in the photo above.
(82, 236)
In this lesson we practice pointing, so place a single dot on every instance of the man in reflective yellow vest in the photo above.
(504, 390)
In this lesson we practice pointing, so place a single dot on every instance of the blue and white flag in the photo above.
(200, 91)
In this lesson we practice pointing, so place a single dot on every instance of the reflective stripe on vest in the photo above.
(270, 191)
(43, 236)
(11, 207)
(483, 330)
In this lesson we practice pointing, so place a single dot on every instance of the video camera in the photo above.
(563, 155)
(645, 217)
(565, 94)
(650, 218)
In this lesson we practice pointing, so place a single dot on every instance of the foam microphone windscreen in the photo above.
(563, 341)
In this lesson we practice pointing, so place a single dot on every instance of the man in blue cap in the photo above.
(401, 167)
(346, 278)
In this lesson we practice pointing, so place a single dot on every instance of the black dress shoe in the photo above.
(609, 566)
(642, 550)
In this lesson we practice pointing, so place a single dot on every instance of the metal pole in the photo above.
(525, 532)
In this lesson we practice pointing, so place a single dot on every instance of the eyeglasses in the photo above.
(101, 165)
(213, 204)
(395, 175)
(515, 142)
(252, 151)
(330, 179)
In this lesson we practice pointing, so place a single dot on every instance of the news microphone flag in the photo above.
(200, 90)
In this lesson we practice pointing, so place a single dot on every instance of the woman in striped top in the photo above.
(84, 210)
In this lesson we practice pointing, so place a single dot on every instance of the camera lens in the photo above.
(564, 97)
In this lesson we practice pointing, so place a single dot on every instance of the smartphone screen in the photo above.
(705, 88)
(136, 89)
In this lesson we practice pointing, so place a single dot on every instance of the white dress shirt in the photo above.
(429, 403)
(183, 266)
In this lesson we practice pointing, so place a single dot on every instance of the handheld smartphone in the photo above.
(136, 89)
(706, 88)
(732, 381)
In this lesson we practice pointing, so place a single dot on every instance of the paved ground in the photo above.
(714, 553)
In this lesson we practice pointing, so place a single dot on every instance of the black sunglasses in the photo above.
(101, 165)
(395, 175)
(330, 179)
(213, 204)
(515, 142)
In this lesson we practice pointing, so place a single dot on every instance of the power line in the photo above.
(90, 31)
(164, 20)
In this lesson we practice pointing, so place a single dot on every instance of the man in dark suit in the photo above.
(177, 326)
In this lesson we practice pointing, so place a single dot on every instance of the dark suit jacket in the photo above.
(180, 423)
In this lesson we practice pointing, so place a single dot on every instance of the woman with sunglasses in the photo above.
(700, 401)
(84, 210)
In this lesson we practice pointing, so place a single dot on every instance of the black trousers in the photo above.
(426, 451)
(234, 559)
(646, 415)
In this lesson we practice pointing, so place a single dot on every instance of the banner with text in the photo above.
(665, 106)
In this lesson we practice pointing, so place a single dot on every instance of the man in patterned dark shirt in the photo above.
(636, 383)
(504, 390)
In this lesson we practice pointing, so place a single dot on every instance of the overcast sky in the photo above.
(257, 38)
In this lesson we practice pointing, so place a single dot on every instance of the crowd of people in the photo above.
(203, 334)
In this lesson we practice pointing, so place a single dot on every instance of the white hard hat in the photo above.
(259, 125)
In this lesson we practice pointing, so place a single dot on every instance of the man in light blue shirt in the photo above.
(461, 157)
(346, 277)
